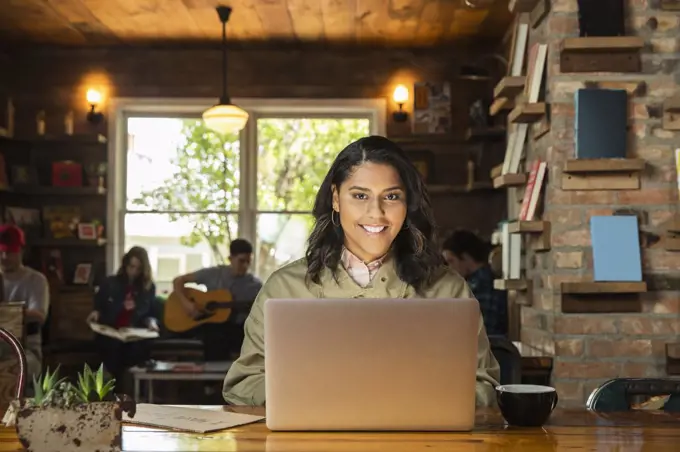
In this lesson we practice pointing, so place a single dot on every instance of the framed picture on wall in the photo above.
(83, 274)
(423, 161)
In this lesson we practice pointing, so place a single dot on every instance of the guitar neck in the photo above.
(230, 304)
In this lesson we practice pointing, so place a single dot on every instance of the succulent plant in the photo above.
(44, 386)
(91, 385)
(50, 390)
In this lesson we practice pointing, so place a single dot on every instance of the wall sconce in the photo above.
(94, 98)
(400, 96)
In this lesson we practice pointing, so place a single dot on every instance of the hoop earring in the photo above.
(333, 212)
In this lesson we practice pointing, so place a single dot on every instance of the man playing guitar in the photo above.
(220, 340)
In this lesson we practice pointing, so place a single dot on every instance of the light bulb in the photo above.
(93, 96)
(400, 95)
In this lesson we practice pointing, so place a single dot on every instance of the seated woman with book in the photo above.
(125, 300)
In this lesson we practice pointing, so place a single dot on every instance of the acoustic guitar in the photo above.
(214, 306)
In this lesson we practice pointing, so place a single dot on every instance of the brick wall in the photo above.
(57, 80)
(591, 348)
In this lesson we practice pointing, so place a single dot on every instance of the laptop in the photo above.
(601, 17)
(370, 364)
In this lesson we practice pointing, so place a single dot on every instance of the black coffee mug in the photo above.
(526, 405)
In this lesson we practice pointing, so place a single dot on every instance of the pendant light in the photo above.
(225, 117)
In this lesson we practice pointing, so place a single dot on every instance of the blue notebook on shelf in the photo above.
(601, 124)
(616, 248)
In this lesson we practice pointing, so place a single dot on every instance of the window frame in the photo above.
(121, 109)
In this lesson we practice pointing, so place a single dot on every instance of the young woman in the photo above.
(125, 299)
(373, 238)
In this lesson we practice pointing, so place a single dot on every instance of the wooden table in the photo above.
(566, 430)
(163, 371)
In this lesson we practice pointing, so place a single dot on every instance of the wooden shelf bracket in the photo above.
(510, 180)
(601, 54)
(602, 297)
(602, 174)
(671, 113)
(527, 113)
(538, 231)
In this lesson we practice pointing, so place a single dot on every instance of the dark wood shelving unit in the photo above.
(87, 201)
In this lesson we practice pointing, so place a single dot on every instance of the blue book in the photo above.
(616, 248)
(601, 122)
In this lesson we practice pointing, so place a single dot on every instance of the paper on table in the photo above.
(188, 419)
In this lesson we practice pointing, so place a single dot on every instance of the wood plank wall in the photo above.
(58, 78)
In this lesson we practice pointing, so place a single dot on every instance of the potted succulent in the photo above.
(62, 417)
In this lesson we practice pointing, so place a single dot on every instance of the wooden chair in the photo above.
(509, 359)
(12, 318)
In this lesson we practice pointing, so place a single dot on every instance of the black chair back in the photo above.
(509, 359)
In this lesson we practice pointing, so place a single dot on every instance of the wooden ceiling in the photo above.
(390, 22)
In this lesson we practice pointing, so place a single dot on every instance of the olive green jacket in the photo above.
(244, 383)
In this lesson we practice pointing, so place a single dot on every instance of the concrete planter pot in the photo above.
(86, 427)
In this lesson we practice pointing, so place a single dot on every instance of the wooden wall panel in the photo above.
(59, 78)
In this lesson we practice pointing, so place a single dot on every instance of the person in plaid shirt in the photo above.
(466, 253)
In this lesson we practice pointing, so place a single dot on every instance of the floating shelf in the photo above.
(604, 287)
(539, 230)
(602, 174)
(510, 284)
(71, 243)
(509, 87)
(485, 134)
(527, 113)
(501, 104)
(671, 113)
(510, 180)
(595, 297)
(58, 139)
(601, 54)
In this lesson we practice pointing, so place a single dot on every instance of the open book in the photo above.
(124, 334)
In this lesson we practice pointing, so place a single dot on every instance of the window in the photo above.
(293, 157)
(185, 192)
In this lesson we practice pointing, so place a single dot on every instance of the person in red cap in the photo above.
(24, 284)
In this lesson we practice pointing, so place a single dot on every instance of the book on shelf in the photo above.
(532, 192)
(124, 334)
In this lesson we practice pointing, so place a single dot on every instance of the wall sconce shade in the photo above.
(225, 118)
(400, 96)
(94, 98)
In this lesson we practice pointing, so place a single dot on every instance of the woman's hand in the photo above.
(153, 325)
(93, 317)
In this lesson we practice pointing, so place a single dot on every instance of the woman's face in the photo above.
(371, 205)
(134, 268)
